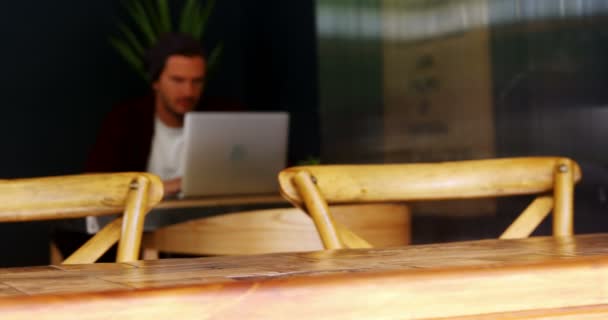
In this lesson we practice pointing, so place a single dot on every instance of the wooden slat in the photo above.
(55, 254)
(563, 224)
(528, 220)
(317, 209)
(68, 196)
(95, 247)
(62, 285)
(81, 196)
(350, 239)
(104, 267)
(7, 273)
(431, 181)
(217, 201)
(133, 221)
(8, 291)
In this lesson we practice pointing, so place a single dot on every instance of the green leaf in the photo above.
(141, 19)
(188, 16)
(164, 15)
(213, 60)
(214, 57)
(204, 18)
(197, 22)
(310, 160)
(154, 17)
(132, 40)
(130, 56)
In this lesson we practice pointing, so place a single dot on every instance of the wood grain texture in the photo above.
(86, 195)
(563, 195)
(317, 208)
(95, 247)
(588, 312)
(136, 209)
(333, 235)
(527, 221)
(279, 230)
(56, 257)
(69, 196)
(533, 278)
(313, 187)
(428, 181)
(217, 201)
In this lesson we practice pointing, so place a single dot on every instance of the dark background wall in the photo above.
(60, 77)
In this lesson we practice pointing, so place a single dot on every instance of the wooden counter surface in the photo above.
(536, 278)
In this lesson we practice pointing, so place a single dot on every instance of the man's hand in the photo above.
(173, 186)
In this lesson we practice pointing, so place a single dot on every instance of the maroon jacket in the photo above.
(125, 138)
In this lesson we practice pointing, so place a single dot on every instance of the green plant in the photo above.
(310, 160)
(150, 20)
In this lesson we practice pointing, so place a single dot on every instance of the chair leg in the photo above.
(564, 199)
(529, 220)
(55, 254)
(318, 210)
(133, 223)
(149, 249)
(101, 242)
(150, 254)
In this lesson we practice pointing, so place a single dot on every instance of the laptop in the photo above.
(233, 153)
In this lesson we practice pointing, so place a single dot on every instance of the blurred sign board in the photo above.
(437, 91)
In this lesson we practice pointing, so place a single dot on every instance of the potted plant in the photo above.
(150, 19)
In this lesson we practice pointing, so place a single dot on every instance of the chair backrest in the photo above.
(277, 230)
(312, 187)
(84, 195)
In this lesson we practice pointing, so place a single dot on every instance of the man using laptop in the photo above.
(147, 134)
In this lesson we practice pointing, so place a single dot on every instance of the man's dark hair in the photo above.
(168, 45)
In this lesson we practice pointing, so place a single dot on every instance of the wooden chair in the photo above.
(84, 195)
(313, 187)
(276, 230)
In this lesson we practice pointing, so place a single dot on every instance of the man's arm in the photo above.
(173, 186)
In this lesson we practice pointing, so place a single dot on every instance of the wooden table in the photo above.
(537, 278)
(157, 217)
(220, 201)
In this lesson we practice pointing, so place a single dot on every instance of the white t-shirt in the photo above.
(167, 149)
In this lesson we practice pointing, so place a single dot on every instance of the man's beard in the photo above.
(171, 110)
